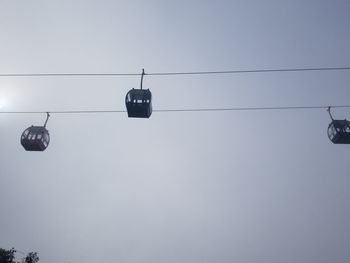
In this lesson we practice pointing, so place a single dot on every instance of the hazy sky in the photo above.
(225, 187)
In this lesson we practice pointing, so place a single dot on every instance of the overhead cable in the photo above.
(270, 70)
(182, 110)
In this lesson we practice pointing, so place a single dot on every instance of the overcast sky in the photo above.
(262, 186)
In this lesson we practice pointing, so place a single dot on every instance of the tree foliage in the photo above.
(32, 257)
(8, 256)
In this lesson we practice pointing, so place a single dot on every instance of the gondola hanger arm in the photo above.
(329, 112)
(47, 118)
(143, 73)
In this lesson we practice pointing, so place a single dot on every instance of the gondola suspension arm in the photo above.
(143, 73)
(47, 118)
(329, 112)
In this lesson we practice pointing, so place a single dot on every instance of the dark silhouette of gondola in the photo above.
(338, 130)
(139, 102)
(36, 138)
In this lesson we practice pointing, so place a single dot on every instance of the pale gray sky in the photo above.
(178, 187)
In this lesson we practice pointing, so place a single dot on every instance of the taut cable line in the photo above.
(269, 70)
(305, 107)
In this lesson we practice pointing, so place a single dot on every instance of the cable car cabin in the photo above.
(339, 131)
(35, 138)
(139, 103)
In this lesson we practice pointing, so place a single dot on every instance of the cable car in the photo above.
(139, 102)
(339, 130)
(36, 138)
